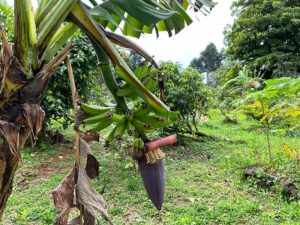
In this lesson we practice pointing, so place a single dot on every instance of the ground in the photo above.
(204, 182)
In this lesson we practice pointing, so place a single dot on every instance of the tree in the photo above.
(209, 61)
(278, 101)
(26, 70)
(266, 36)
(234, 89)
(228, 70)
(7, 18)
(57, 102)
(185, 93)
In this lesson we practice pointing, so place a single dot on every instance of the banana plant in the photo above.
(42, 43)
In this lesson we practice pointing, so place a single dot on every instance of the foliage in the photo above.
(6, 18)
(279, 100)
(233, 89)
(39, 36)
(57, 102)
(209, 61)
(266, 36)
(227, 71)
(203, 177)
(185, 92)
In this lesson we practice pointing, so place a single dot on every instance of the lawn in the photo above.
(204, 183)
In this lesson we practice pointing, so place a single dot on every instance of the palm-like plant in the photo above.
(42, 42)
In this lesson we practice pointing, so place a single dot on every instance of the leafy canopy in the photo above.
(280, 99)
(209, 60)
(266, 36)
(184, 90)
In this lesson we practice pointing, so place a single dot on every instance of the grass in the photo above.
(204, 182)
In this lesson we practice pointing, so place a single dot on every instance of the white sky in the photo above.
(188, 44)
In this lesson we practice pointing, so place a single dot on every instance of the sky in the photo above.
(188, 44)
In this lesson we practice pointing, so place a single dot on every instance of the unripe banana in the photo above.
(129, 115)
(102, 125)
(140, 126)
(110, 137)
(107, 103)
(150, 83)
(130, 128)
(118, 118)
(138, 143)
(97, 119)
(94, 109)
(142, 71)
(154, 121)
(144, 110)
(120, 130)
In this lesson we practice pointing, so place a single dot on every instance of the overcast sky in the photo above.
(191, 41)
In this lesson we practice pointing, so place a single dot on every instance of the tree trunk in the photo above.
(195, 123)
(8, 165)
(20, 111)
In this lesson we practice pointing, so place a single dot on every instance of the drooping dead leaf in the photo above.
(62, 218)
(63, 196)
(2, 162)
(88, 219)
(75, 221)
(5, 61)
(34, 116)
(92, 165)
(84, 148)
(11, 133)
(87, 196)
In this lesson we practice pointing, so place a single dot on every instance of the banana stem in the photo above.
(76, 126)
(74, 99)
(108, 76)
(150, 146)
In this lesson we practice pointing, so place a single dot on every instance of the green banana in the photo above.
(130, 128)
(102, 125)
(150, 83)
(140, 126)
(138, 143)
(107, 103)
(129, 115)
(142, 71)
(154, 121)
(144, 110)
(118, 118)
(94, 109)
(111, 136)
(97, 119)
(120, 129)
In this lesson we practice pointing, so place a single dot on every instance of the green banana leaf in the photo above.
(144, 16)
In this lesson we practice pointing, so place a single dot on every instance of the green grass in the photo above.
(204, 181)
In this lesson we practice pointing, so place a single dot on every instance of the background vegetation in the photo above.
(238, 157)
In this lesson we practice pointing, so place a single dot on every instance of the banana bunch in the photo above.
(135, 121)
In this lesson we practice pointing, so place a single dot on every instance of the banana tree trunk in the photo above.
(8, 166)
(20, 113)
